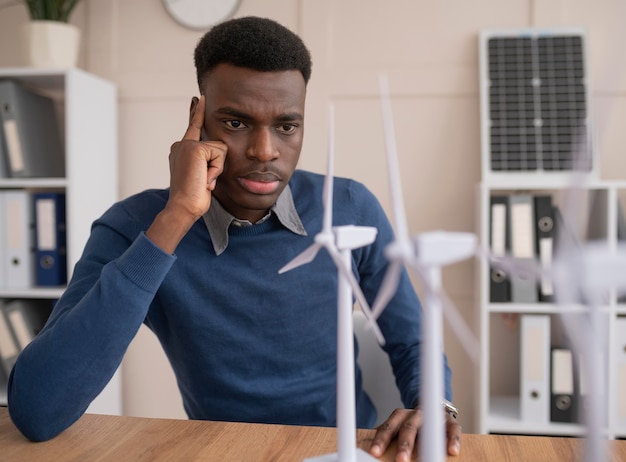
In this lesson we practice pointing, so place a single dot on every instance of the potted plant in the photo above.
(49, 39)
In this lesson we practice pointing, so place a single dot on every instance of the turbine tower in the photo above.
(339, 242)
(426, 253)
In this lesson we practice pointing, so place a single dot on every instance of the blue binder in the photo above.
(50, 239)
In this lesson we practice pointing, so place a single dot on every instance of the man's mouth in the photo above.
(260, 182)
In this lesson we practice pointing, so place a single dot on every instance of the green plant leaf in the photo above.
(51, 10)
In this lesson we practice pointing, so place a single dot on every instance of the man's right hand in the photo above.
(195, 165)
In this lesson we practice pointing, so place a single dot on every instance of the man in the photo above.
(198, 264)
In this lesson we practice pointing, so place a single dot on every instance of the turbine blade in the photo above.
(511, 265)
(356, 291)
(387, 289)
(303, 258)
(392, 162)
(460, 328)
(453, 317)
(328, 181)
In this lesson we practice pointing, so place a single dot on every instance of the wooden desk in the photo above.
(113, 438)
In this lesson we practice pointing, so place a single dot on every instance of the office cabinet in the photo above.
(86, 111)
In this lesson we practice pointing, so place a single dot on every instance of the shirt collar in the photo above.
(218, 220)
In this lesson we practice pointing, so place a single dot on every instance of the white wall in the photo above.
(429, 50)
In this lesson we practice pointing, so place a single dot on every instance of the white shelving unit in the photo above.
(536, 130)
(499, 405)
(87, 106)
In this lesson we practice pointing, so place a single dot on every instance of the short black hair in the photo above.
(256, 43)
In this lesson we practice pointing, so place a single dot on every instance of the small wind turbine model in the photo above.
(425, 254)
(339, 242)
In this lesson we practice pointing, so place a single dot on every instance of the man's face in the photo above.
(260, 117)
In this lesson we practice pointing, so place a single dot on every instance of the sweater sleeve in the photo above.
(401, 320)
(67, 365)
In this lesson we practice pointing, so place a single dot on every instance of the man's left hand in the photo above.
(405, 424)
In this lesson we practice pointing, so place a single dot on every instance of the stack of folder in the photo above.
(32, 239)
(552, 377)
(523, 227)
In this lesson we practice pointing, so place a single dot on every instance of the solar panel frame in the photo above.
(535, 103)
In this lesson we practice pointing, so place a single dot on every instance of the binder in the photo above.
(535, 369)
(32, 139)
(621, 222)
(8, 345)
(565, 236)
(17, 223)
(4, 156)
(50, 239)
(563, 397)
(620, 359)
(26, 318)
(523, 244)
(544, 233)
(621, 237)
(499, 282)
(582, 388)
(3, 241)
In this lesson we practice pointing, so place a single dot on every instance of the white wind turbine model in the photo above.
(339, 242)
(426, 253)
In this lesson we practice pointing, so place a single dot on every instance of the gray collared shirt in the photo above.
(218, 220)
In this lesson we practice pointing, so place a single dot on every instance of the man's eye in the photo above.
(235, 123)
(287, 128)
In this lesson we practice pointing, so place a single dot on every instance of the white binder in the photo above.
(17, 222)
(535, 369)
(522, 228)
(3, 251)
(620, 357)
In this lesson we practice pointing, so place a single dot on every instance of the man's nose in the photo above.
(263, 146)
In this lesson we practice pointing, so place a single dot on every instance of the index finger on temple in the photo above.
(194, 130)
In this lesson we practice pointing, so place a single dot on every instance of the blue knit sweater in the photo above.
(245, 343)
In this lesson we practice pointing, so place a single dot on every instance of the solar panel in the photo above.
(536, 109)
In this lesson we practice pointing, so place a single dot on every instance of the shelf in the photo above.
(8, 183)
(45, 79)
(87, 111)
(501, 414)
(504, 417)
(32, 292)
(540, 308)
(514, 181)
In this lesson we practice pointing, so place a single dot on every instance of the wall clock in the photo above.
(200, 14)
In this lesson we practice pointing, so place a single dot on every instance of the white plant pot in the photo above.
(50, 44)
